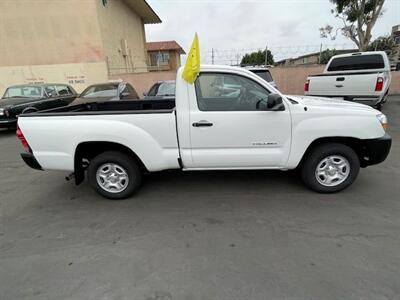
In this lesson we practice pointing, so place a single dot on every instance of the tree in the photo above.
(384, 43)
(257, 58)
(358, 17)
(326, 55)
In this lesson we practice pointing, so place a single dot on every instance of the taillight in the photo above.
(307, 85)
(23, 140)
(379, 84)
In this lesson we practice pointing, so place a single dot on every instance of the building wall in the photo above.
(49, 32)
(175, 60)
(119, 22)
(313, 59)
(50, 41)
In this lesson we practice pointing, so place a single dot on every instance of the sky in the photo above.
(288, 28)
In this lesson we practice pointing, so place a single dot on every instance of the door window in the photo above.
(228, 92)
(63, 90)
(129, 92)
(51, 91)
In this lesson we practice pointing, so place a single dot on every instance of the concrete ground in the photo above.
(206, 235)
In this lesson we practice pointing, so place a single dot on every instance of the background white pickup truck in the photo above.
(248, 125)
(363, 77)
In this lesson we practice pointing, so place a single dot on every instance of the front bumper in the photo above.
(8, 123)
(376, 151)
(31, 161)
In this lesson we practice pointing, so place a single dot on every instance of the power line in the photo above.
(279, 52)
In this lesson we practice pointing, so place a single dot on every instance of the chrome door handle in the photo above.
(202, 123)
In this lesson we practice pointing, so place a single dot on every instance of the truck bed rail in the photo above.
(109, 107)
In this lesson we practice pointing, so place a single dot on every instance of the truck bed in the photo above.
(109, 107)
(148, 127)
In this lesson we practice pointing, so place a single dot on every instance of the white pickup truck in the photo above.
(207, 127)
(362, 77)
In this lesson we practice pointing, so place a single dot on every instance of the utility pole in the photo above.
(266, 55)
(212, 56)
(320, 53)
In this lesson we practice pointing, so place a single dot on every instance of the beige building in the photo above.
(164, 55)
(72, 41)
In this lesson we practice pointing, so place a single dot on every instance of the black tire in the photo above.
(317, 155)
(128, 164)
(29, 110)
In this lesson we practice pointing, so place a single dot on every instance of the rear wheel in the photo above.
(330, 168)
(114, 175)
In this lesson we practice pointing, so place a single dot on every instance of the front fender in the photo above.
(306, 131)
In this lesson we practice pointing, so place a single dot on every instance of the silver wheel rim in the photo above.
(112, 178)
(332, 170)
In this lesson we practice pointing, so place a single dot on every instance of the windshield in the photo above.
(104, 90)
(163, 89)
(264, 74)
(23, 92)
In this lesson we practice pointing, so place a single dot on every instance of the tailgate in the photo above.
(343, 85)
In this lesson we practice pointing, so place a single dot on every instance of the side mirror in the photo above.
(145, 94)
(273, 103)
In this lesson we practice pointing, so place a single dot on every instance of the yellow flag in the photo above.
(192, 66)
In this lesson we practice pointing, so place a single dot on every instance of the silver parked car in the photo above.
(161, 90)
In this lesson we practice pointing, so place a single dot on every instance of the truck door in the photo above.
(228, 131)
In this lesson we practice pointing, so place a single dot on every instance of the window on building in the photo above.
(159, 58)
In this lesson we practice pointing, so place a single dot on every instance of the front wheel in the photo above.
(114, 175)
(330, 168)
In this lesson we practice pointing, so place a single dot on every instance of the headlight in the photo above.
(1, 111)
(383, 120)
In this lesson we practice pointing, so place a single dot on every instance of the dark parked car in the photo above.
(36, 97)
(161, 90)
(110, 91)
(264, 73)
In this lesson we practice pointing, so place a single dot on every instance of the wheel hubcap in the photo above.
(332, 170)
(112, 178)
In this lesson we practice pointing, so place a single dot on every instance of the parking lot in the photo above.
(200, 235)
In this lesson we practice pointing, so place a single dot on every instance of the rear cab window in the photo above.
(357, 62)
